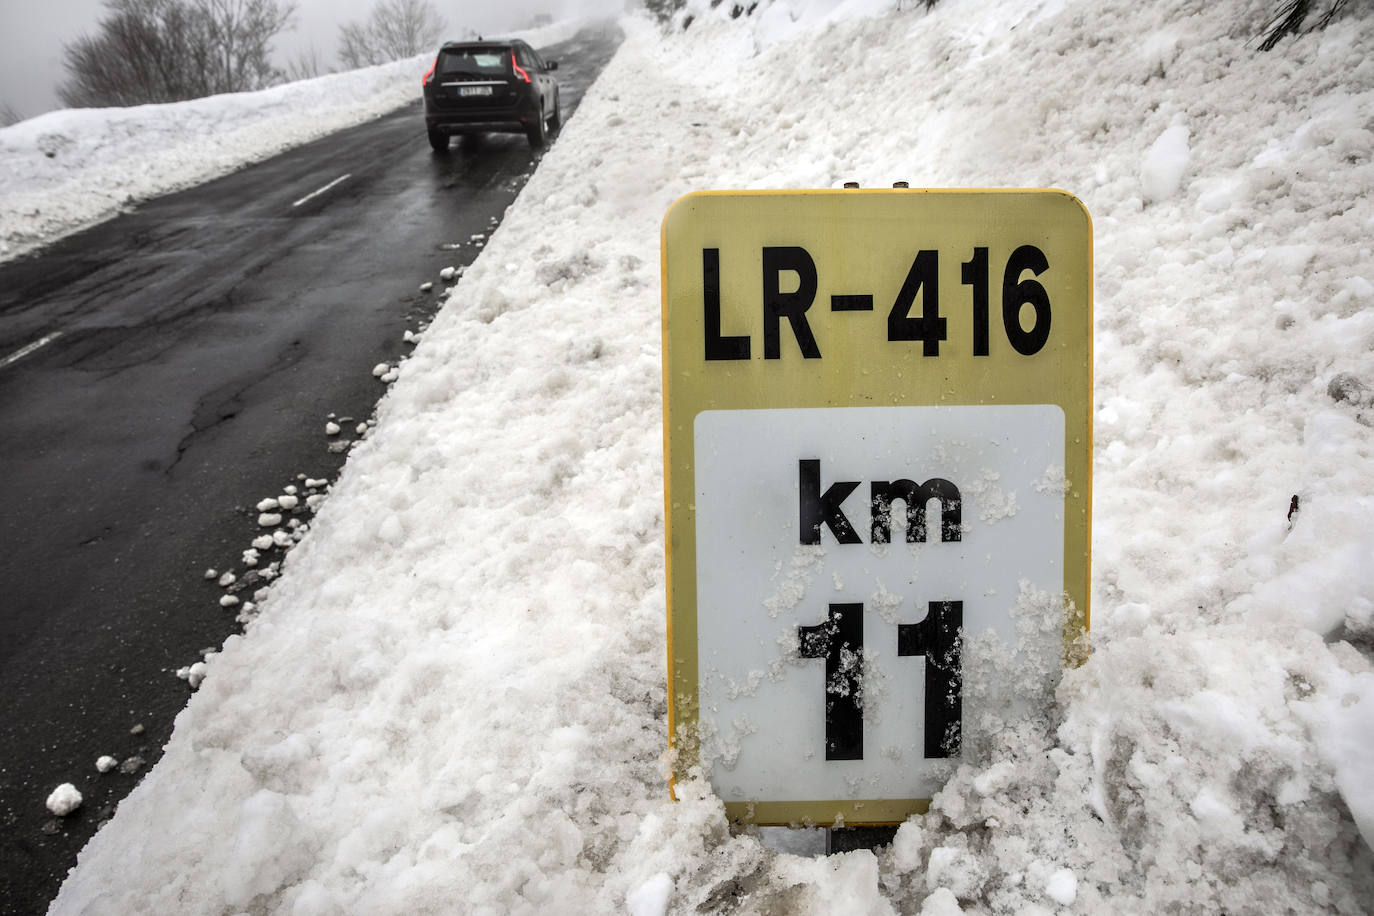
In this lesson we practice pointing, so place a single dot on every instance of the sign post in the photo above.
(877, 412)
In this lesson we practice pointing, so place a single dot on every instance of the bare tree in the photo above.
(306, 66)
(8, 115)
(168, 50)
(395, 29)
(240, 36)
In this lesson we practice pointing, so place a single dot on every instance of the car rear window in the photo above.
(473, 63)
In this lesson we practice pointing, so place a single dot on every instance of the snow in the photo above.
(64, 800)
(194, 674)
(70, 168)
(651, 898)
(1062, 887)
(1165, 163)
(453, 697)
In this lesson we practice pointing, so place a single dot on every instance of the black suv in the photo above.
(490, 86)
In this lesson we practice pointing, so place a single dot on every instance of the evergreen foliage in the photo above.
(1289, 17)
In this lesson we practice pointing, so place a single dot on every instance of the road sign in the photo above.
(877, 425)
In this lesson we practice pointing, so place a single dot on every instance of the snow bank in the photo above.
(67, 169)
(453, 700)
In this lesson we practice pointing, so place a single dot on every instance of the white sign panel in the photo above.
(840, 553)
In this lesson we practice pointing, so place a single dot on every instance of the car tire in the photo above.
(537, 133)
(438, 140)
(556, 121)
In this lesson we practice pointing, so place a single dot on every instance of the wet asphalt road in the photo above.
(191, 353)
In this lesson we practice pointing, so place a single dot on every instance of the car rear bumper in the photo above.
(496, 120)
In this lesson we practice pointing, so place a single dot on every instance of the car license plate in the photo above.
(466, 91)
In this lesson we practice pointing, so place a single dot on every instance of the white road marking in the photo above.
(313, 194)
(22, 352)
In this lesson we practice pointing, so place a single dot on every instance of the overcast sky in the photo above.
(32, 33)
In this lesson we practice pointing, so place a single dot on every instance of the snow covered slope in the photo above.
(453, 700)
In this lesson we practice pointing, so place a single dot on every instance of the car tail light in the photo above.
(518, 71)
(429, 74)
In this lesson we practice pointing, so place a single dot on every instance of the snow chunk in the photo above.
(941, 903)
(1346, 387)
(331, 428)
(650, 898)
(192, 674)
(955, 869)
(64, 800)
(288, 502)
(269, 520)
(1343, 723)
(105, 763)
(267, 505)
(1062, 887)
(1214, 813)
(391, 530)
(269, 848)
(1166, 160)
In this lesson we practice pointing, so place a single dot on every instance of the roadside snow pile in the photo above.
(70, 168)
(453, 698)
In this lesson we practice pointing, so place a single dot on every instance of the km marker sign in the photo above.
(877, 445)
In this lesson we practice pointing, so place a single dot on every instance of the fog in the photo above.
(32, 33)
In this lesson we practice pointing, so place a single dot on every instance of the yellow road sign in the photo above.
(877, 412)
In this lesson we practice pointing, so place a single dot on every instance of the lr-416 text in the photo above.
(786, 304)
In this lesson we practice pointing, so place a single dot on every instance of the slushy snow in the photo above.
(453, 698)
